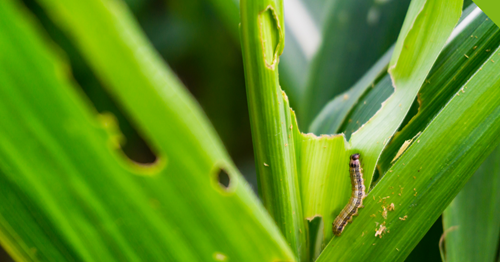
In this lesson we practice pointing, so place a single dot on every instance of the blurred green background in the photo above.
(194, 41)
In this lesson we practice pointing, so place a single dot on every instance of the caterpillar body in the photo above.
(356, 200)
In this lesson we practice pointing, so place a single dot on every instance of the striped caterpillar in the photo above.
(356, 201)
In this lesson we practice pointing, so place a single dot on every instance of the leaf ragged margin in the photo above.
(414, 55)
(320, 162)
(422, 175)
(70, 195)
(461, 59)
(412, 60)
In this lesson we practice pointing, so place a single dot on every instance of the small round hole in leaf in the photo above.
(224, 179)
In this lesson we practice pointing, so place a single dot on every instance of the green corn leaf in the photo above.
(424, 34)
(457, 63)
(321, 160)
(72, 195)
(320, 43)
(472, 221)
(327, 190)
(355, 35)
(348, 111)
(334, 114)
(491, 8)
(424, 180)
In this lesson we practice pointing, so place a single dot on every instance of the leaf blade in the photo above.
(355, 35)
(471, 220)
(435, 175)
(447, 76)
(411, 51)
(82, 199)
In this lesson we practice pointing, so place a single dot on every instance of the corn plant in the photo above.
(413, 87)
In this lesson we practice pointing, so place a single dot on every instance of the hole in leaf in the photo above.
(270, 36)
(223, 179)
(125, 136)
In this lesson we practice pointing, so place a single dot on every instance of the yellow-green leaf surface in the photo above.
(468, 47)
(330, 120)
(425, 179)
(69, 193)
(320, 163)
(426, 29)
(457, 63)
(491, 8)
(326, 192)
(351, 109)
(472, 221)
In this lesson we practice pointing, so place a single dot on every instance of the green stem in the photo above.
(262, 37)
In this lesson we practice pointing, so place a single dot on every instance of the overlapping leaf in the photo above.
(327, 191)
(320, 161)
(70, 193)
(472, 221)
(423, 181)
(457, 63)
(355, 35)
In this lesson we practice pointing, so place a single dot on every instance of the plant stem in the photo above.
(262, 37)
